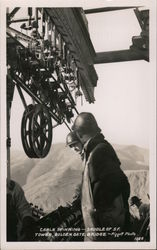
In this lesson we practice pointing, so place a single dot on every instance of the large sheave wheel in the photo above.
(41, 131)
(36, 131)
(26, 130)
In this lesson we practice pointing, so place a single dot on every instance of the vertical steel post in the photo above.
(30, 15)
(43, 23)
(8, 141)
(10, 93)
(36, 19)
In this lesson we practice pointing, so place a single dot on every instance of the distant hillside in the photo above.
(52, 181)
(21, 166)
(50, 192)
(24, 169)
(133, 157)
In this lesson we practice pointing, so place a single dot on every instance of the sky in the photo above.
(123, 92)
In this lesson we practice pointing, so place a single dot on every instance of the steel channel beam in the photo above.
(18, 33)
(106, 9)
(120, 56)
(22, 20)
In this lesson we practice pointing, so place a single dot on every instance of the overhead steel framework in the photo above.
(50, 56)
(139, 50)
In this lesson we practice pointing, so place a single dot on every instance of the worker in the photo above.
(143, 208)
(105, 187)
(74, 143)
(20, 220)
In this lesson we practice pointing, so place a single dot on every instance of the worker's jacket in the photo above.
(105, 189)
(17, 210)
(144, 210)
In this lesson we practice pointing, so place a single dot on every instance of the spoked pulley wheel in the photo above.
(26, 130)
(41, 131)
(36, 131)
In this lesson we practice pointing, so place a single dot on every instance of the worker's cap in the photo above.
(134, 200)
(86, 123)
(71, 139)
